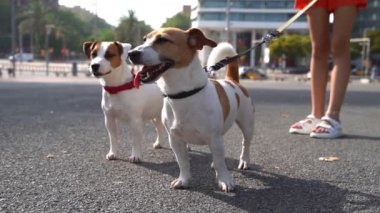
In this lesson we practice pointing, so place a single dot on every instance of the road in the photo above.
(53, 145)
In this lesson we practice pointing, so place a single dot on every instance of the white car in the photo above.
(22, 57)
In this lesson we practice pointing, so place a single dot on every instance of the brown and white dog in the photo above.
(124, 100)
(196, 110)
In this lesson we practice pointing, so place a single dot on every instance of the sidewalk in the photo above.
(82, 78)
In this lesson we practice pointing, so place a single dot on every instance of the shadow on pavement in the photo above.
(362, 137)
(268, 192)
(296, 97)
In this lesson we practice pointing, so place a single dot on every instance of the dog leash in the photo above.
(266, 39)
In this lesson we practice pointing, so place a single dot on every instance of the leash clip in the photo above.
(270, 36)
(210, 71)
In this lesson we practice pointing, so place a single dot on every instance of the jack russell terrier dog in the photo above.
(196, 110)
(124, 100)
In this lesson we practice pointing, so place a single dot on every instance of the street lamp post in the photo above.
(13, 36)
(49, 28)
(21, 48)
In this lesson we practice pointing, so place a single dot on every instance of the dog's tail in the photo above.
(222, 51)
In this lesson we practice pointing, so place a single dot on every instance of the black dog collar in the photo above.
(184, 94)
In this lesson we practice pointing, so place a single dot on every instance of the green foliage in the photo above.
(35, 17)
(293, 46)
(355, 50)
(69, 32)
(5, 27)
(131, 30)
(375, 40)
(72, 26)
(107, 34)
(179, 20)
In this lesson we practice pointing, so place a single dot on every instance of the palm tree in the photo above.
(32, 19)
(131, 30)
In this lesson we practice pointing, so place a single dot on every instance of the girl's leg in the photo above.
(344, 19)
(318, 19)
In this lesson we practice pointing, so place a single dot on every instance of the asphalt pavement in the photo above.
(53, 145)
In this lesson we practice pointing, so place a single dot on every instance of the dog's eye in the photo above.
(108, 55)
(161, 40)
(94, 54)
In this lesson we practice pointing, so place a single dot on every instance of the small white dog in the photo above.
(196, 110)
(124, 100)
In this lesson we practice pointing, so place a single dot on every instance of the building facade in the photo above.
(368, 19)
(243, 22)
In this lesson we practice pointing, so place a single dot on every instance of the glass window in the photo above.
(247, 4)
(250, 4)
(289, 4)
(213, 3)
(275, 17)
(252, 17)
(275, 4)
(212, 16)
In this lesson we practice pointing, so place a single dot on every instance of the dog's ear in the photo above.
(87, 48)
(119, 47)
(197, 39)
(123, 48)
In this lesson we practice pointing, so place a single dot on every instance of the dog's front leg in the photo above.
(223, 176)
(160, 129)
(111, 126)
(180, 150)
(137, 135)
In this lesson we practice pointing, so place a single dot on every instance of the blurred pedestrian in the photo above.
(374, 70)
(321, 124)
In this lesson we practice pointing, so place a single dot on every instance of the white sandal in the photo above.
(304, 126)
(332, 126)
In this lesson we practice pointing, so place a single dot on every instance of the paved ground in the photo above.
(53, 145)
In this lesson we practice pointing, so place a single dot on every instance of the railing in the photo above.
(58, 69)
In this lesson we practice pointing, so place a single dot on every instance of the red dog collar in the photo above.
(135, 83)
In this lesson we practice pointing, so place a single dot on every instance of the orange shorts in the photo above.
(331, 5)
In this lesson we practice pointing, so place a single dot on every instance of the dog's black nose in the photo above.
(95, 67)
(134, 56)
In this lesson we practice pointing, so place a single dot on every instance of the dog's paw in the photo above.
(243, 165)
(226, 186)
(179, 184)
(111, 156)
(226, 183)
(157, 145)
(134, 159)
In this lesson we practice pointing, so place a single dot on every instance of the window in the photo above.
(275, 4)
(213, 4)
(212, 16)
(248, 4)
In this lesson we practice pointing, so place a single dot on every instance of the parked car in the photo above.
(296, 70)
(251, 73)
(22, 57)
